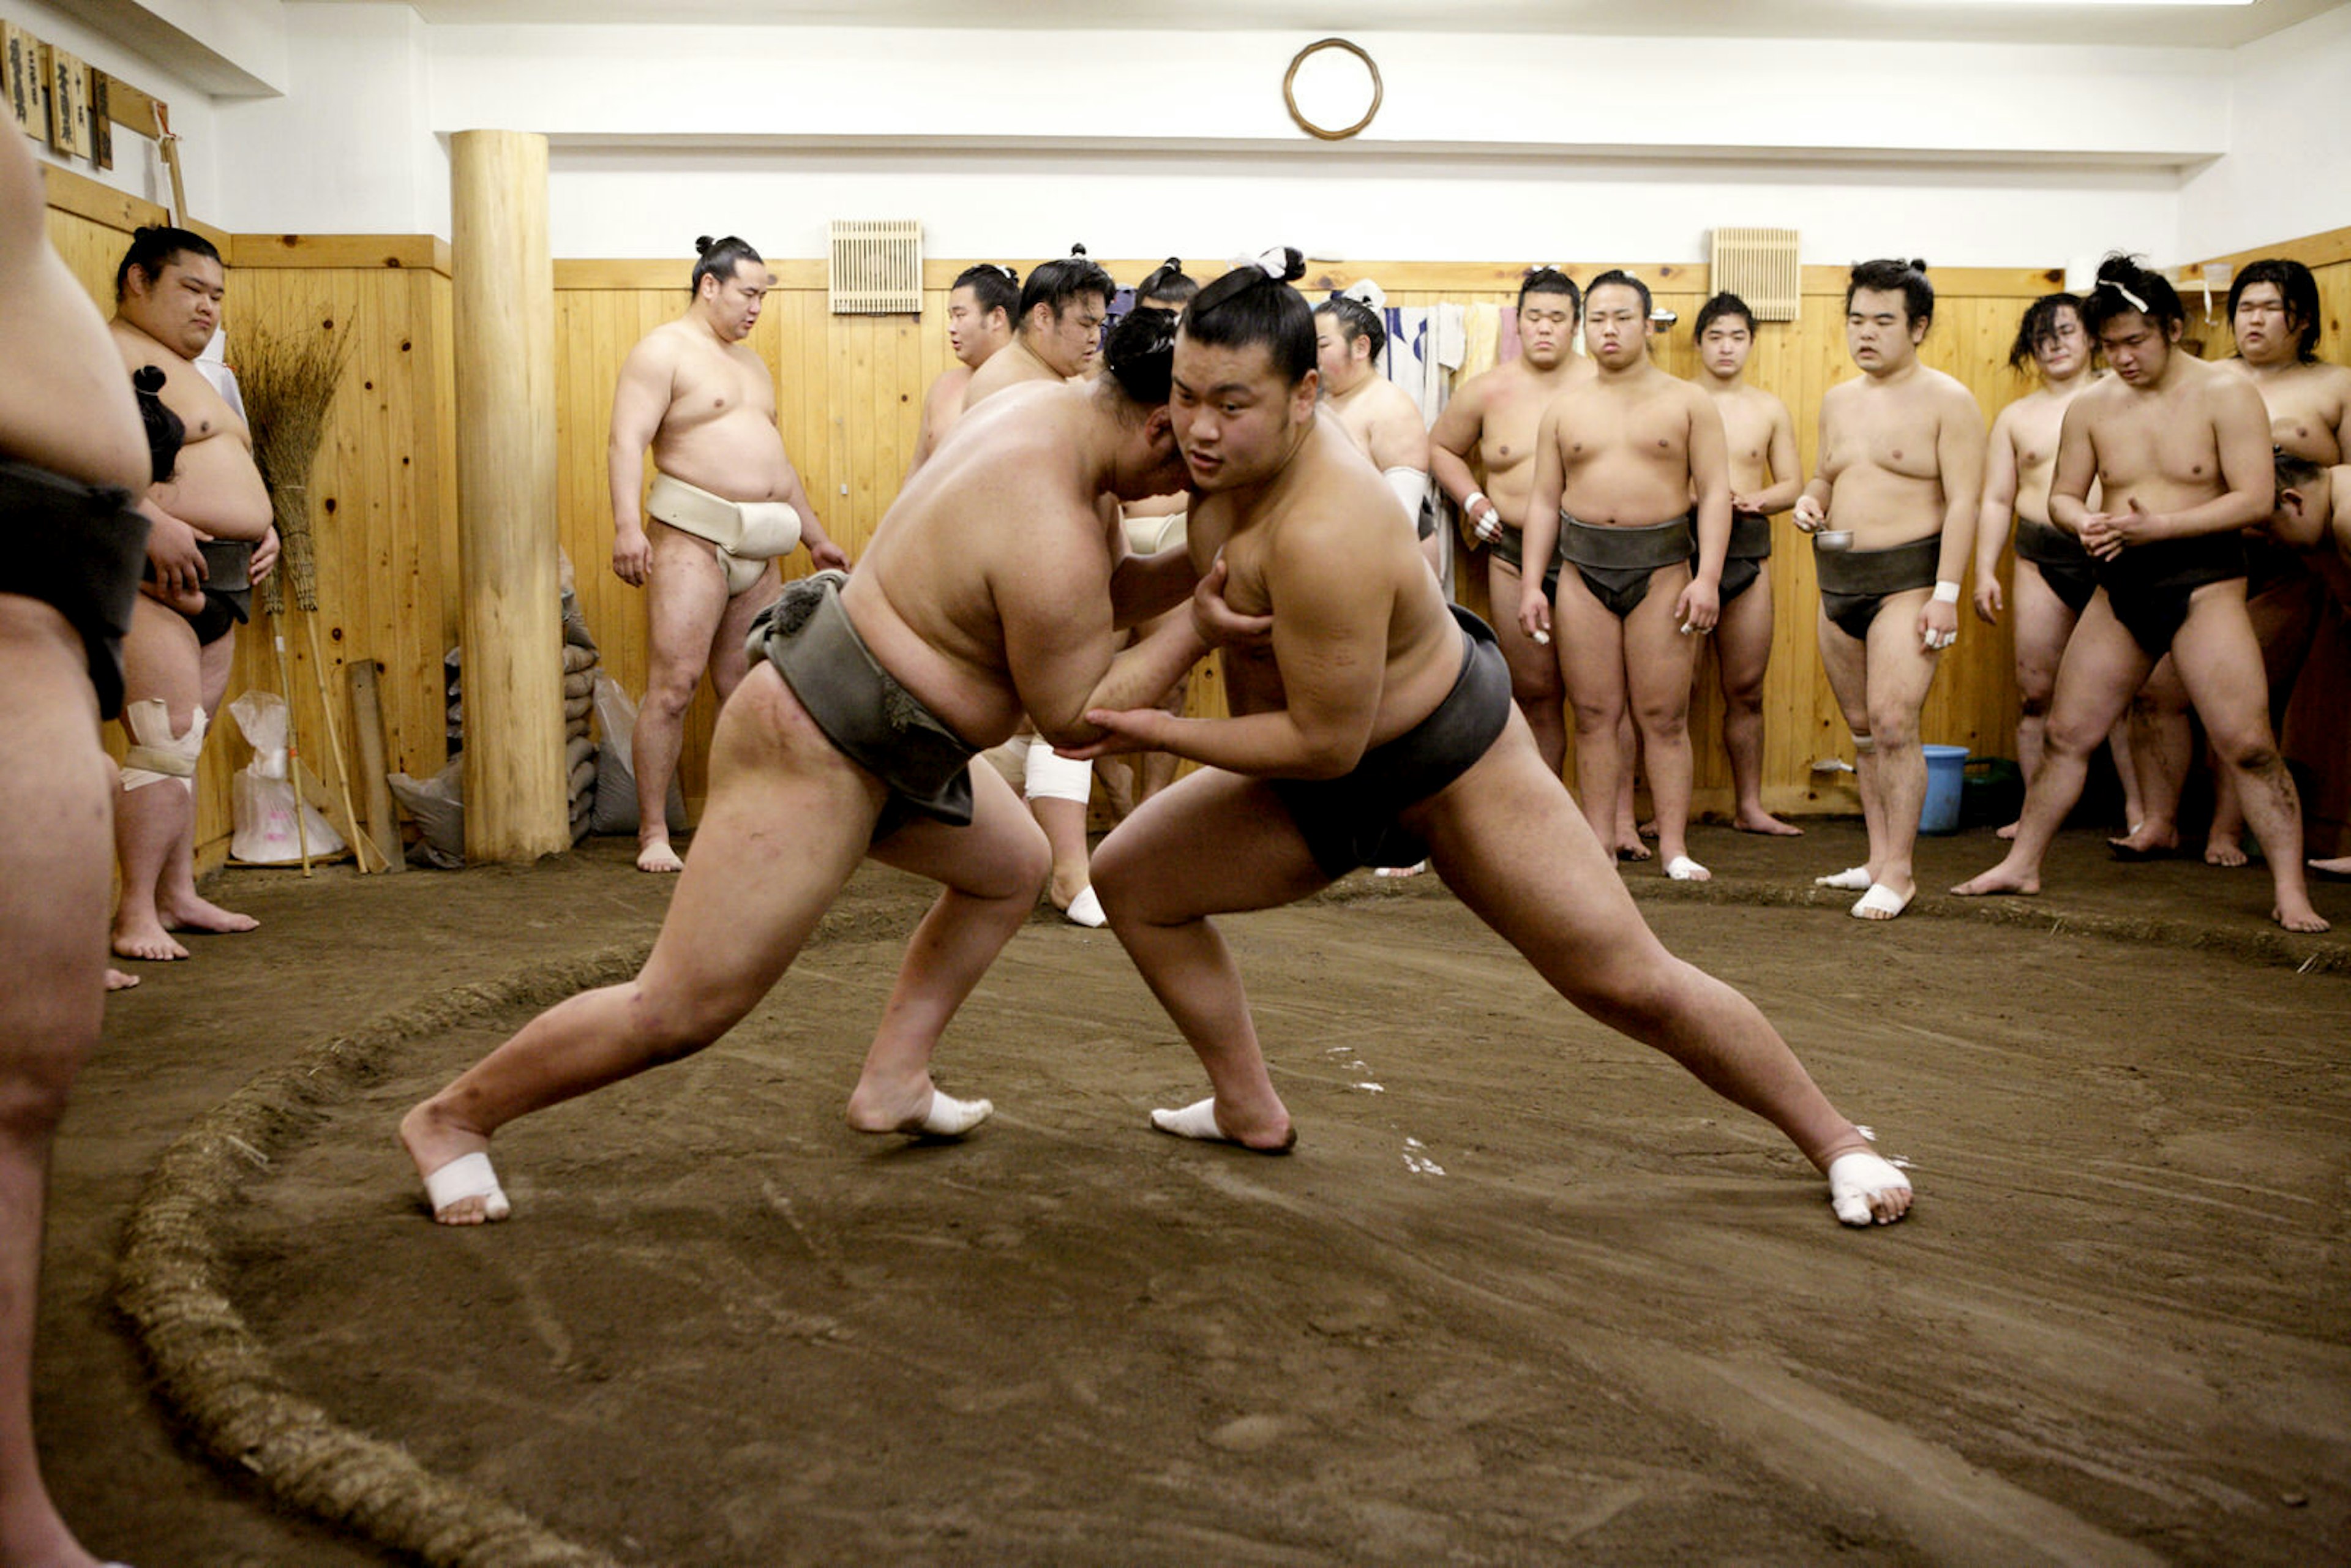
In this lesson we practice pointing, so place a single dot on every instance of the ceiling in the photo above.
(2014, 21)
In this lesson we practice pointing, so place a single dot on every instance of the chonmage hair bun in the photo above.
(1918, 264)
(702, 244)
(1077, 250)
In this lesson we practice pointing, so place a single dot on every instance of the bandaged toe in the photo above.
(1681, 868)
(467, 1177)
(949, 1118)
(155, 754)
(1198, 1120)
(1853, 879)
(1857, 1180)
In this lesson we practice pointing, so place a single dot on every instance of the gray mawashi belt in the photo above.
(1880, 570)
(1624, 550)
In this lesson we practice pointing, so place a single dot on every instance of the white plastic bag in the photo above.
(616, 768)
(261, 797)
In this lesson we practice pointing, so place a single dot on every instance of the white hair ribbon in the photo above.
(1274, 263)
(1365, 292)
(2135, 301)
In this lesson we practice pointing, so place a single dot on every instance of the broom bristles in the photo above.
(289, 379)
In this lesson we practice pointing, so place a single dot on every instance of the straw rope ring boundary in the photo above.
(218, 1379)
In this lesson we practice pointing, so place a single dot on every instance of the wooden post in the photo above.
(511, 625)
(367, 737)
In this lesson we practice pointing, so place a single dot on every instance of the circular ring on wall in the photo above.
(1290, 88)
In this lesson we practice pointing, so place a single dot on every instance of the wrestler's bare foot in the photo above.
(2300, 917)
(2143, 840)
(1634, 850)
(2224, 851)
(1647, 829)
(116, 980)
(1999, 880)
(186, 912)
(137, 934)
(1201, 1121)
(918, 1111)
(436, 1142)
(655, 855)
(2009, 832)
(2340, 866)
(1759, 820)
(1865, 1188)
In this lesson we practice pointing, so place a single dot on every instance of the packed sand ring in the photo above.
(1524, 1289)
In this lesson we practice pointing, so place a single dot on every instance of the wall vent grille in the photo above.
(1759, 266)
(876, 267)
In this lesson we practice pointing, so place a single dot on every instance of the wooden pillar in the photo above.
(511, 621)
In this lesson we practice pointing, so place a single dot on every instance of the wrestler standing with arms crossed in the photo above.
(72, 453)
(726, 501)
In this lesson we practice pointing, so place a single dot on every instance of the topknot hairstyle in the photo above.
(1168, 283)
(2124, 286)
(1058, 282)
(995, 286)
(1141, 354)
(1357, 320)
(1907, 278)
(719, 259)
(153, 249)
(1252, 305)
(1545, 278)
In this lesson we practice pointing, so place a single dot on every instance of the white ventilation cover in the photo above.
(876, 267)
(1759, 266)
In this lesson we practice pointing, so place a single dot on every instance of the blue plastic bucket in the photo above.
(1946, 769)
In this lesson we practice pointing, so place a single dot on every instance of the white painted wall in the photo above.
(649, 204)
(138, 168)
(350, 149)
(2288, 169)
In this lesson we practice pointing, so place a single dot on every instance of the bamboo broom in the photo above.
(289, 382)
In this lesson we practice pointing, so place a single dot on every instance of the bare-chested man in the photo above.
(71, 457)
(1900, 480)
(726, 502)
(2180, 453)
(1059, 338)
(2314, 516)
(1619, 461)
(2053, 574)
(979, 322)
(1377, 414)
(1494, 417)
(993, 587)
(2275, 314)
(1766, 477)
(1374, 728)
(209, 520)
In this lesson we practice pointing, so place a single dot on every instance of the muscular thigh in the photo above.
(2102, 665)
(1900, 667)
(1211, 843)
(1592, 652)
(1511, 843)
(161, 659)
(55, 858)
(685, 597)
(1845, 661)
(1742, 638)
(1660, 658)
(998, 854)
(786, 822)
(1533, 668)
(2042, 624)
(2219, 662)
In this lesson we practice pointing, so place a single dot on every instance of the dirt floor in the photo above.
(1525, 1293)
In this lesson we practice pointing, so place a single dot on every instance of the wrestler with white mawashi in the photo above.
(725, 505)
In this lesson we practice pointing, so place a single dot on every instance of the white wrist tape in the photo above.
(1947, 593)
(1469, 504)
